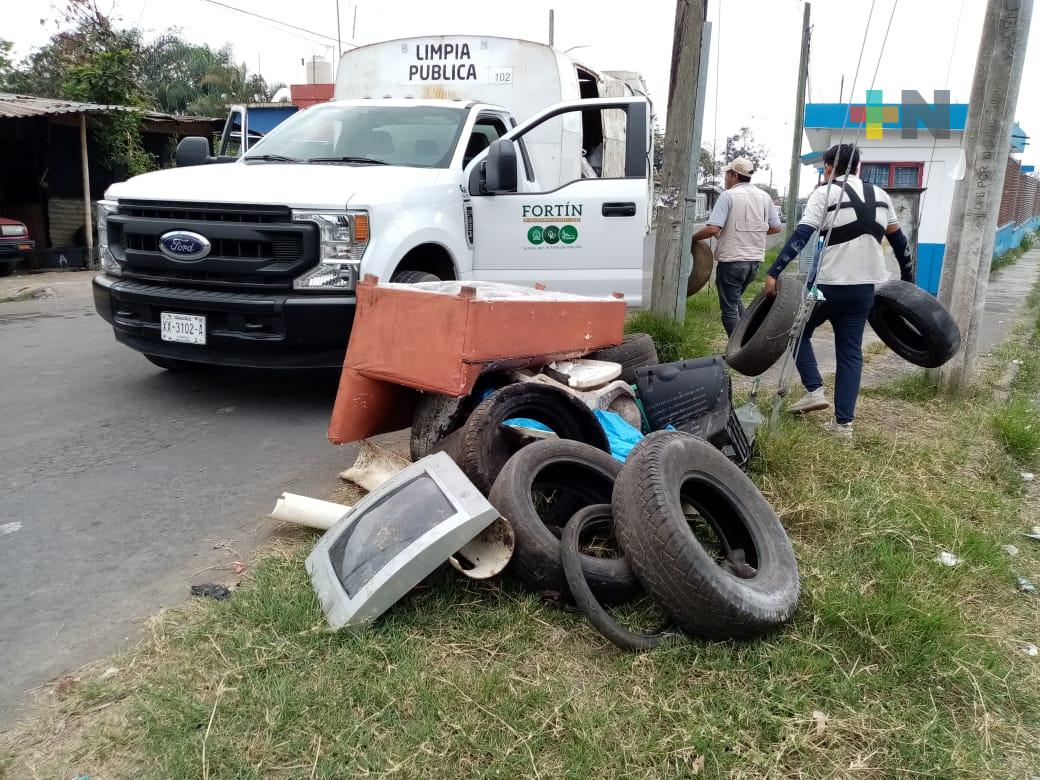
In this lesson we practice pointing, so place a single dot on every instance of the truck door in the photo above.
(583, 232)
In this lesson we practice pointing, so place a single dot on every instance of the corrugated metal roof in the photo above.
(18, 106)
(21, 106)
(158, 116)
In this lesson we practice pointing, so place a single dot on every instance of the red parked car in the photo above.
(14, 244)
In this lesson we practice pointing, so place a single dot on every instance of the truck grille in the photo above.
(250, 246)
(207, 212)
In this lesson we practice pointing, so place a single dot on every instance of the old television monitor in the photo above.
(393, 538)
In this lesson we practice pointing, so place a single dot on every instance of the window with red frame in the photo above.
(893, 174)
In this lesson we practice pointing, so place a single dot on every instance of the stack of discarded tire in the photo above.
(678, 521)
(910, 322)
(694, 532)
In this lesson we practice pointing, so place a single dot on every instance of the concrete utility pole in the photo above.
(976, 198)
(552, 27)
(666, 296)
(690, 212)
(799, 122)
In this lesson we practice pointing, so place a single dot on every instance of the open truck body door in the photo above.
(583, 235)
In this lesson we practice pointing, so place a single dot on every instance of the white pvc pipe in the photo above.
(311, 512)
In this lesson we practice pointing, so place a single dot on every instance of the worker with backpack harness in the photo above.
(851, 216)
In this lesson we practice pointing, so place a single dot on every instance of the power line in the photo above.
(935, 136)
(275, 21)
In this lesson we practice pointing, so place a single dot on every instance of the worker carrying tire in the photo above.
(852, 217)
(742, 218)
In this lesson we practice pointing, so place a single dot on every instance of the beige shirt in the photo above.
(744, 212)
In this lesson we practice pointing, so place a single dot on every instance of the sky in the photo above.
(753, 67)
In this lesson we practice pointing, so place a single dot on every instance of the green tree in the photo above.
(84, 32)
(770, 191)
(183, 77)
(742, 144)
(108, 78)
(658, 146)
(708, 168)
(5, 60)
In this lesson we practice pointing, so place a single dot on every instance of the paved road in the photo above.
(119, 477)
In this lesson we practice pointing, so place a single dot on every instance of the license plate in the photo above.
(185, 328)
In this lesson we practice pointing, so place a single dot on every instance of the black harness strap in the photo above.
(866, 223)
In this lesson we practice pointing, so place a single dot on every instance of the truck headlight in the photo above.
(108, 263)
(343, 237)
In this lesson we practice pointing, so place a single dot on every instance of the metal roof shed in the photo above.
(30, 124)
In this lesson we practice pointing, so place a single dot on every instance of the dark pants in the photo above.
(732, 279)
(847, 307)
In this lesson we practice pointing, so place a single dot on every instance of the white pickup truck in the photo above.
(408, 174)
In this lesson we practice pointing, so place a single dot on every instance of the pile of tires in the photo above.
(690, 530)
(677, 523)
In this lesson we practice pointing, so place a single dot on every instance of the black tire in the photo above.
(435, 417)
(482, 447)
(6, 269)
(763, 333)
(536, 559)
(635, 351)
(599, 516)
(734, 576)
(914, 325)
(413, 277)
(700, 271)
(173, 364)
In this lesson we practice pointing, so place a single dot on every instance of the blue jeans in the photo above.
(847, 307)
(731, 279)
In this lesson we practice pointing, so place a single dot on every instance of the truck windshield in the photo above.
(419, 136)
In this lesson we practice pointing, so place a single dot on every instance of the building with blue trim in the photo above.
(893, 161)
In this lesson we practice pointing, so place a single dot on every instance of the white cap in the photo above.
(742, 166)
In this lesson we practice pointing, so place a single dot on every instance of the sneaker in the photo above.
(840, 430)
(812, 401)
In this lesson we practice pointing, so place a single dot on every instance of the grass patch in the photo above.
(1011, 256)
(701, 333)
(1018, 427)
(894, 665)
(918, 386)
(1017, 423)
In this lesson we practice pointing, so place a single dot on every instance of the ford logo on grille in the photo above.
(184, 245)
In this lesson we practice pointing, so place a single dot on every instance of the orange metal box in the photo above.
(439, 336)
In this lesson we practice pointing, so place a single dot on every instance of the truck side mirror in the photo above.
(500, 167)
(192, 150)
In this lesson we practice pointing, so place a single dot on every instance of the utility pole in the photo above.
(552, 27)
(799, 121)
(666, 296)
(976, 197)
(690, 213)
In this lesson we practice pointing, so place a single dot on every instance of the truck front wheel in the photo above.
(413, 277)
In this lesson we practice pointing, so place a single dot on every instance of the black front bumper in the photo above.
(251, 330)
(13, 249)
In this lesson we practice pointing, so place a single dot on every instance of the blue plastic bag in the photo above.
(621, 436)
